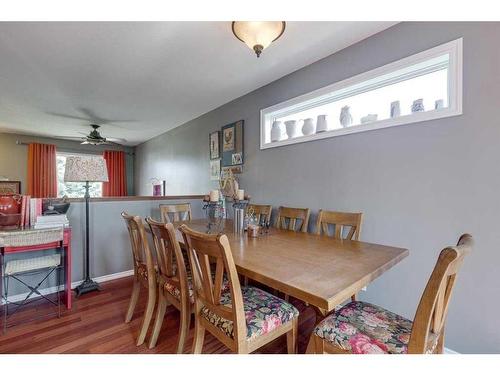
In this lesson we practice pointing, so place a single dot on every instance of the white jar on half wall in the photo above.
(276, 131)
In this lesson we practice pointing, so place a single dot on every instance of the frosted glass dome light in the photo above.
(258, 35)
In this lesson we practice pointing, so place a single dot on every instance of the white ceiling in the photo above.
(144, 77)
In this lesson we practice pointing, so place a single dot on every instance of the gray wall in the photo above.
(420, 186)
(14, 158)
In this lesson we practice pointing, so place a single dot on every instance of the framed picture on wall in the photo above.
(215, 170)
(10, 187)
(232, 144)
(214, 141)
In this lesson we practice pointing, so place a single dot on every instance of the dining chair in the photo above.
(364, 328)
(172, 213)
(242, 318)
(174, 281)
(261, 211)
(288, 217)
(340, 221)
(144, 273)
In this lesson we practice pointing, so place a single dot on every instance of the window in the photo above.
(421, 87)
(73, 189)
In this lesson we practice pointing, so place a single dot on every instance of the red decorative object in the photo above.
(10, 210)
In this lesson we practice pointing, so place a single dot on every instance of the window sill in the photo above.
(397, 121)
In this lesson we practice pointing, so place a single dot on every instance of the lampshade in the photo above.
(258, 34)
(85, 168)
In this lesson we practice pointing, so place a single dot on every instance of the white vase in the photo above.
(291, 128)
(345, 116)
(395, 109)
(418, 106)
(321, 124)
(308, 128)
(276, 131)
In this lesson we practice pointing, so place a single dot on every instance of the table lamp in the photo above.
(86, 169)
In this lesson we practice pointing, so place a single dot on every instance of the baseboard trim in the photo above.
(74, 284)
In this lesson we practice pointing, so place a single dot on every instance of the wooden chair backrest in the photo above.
(207, 289)
(173, 213)
(168, 251)
(261, 211)
(339, 220)
(288, 216)
(141, 251)
(432, 310)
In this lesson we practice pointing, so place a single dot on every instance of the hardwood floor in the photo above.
(96, 325)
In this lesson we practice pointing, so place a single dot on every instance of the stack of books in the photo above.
(51, 221)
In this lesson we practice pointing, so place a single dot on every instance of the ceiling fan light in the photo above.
(258, 35)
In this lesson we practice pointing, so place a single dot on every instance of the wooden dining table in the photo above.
(319, 270)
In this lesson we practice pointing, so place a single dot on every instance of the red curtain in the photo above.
(42, 171)
(117, 185)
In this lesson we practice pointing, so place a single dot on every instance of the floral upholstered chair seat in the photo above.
(263, 312)
(363, 328)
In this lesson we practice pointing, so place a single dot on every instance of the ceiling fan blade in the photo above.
(69, 138)
(113, 143)
(115, 139)
(68, 116)
(92, 116)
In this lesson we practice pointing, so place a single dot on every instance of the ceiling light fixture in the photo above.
(258, 35)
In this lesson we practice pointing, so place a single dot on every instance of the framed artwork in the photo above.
(236, 159)
(215, 170)
(214, 140)
(10, 187)
(228, 138)
(235, 169)
(232, 144)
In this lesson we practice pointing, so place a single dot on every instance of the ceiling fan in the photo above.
(94, 137)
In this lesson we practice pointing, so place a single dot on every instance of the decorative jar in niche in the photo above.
(308, 128)
(321, 124)
(291, 128)
(395, 109)
(276, 131)
(418, 106)
(345, 116)
(439, 104)
(369, 118)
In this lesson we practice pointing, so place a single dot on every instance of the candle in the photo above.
(214, 195)
(241, 194)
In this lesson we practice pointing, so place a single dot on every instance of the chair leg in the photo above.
(291, 337)
(185, 316)
(440, 345)
(319, 344)
(160, 315)
(133, 300)
(199, 336)
(353, 298)
(148, 315)
(311, 347)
